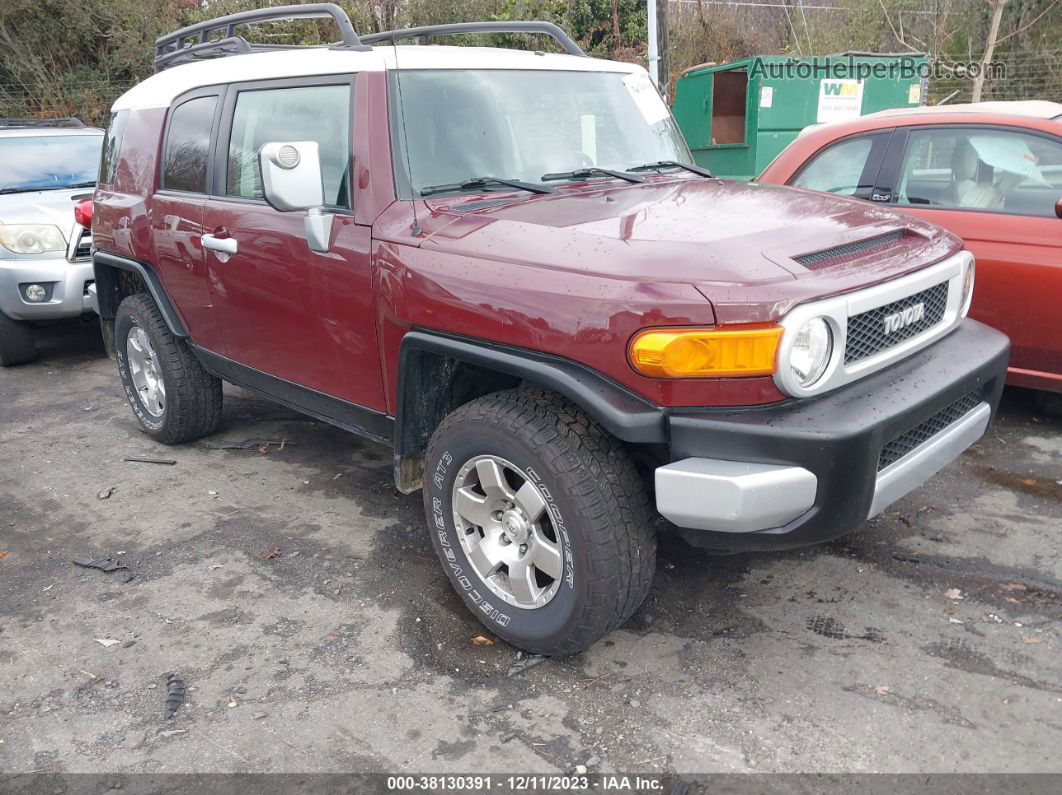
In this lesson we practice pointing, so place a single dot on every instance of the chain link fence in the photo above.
(1025, 76)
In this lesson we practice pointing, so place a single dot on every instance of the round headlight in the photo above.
(810, 352)
(967, 288)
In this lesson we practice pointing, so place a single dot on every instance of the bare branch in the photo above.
(1029, 24)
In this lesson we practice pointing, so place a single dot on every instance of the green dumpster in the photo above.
(737, 116)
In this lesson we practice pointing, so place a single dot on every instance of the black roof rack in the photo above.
(193, 42)
(423, 33)
(65, 121)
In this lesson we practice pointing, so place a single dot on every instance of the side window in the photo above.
(112, 142)
(310, 113)
(848, 167)
(982, 169)
(184, 164)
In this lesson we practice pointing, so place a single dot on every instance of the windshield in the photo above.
(48, 161)
(522, 125)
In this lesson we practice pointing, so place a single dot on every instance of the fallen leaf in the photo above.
(107, 642)
(1029, 481)
(1011, 599)
(269, 554)
(106, 493)
(882, 690)
(953, 593)
(482, 640)
(3, 553)
(331, 637)
(1016, 586)
(263, 450)
(1030, 639)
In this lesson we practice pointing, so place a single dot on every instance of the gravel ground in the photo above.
(296, 594)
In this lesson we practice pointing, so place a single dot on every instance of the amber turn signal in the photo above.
(705, 352)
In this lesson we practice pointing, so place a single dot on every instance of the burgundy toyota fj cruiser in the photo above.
(505, 265)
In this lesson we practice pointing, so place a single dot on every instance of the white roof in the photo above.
(1034, 108)
(159, 90)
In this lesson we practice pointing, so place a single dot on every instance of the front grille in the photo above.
(905, 443)
(867, 332)
(848, 249)
(84, 246)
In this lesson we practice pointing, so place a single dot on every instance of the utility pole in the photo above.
(654, 57)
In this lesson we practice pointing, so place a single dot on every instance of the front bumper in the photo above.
(69, 283)
(810, 470)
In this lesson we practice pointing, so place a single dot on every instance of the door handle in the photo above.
(223, 245)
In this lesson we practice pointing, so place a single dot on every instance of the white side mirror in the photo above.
(291, 175)
(291, 181)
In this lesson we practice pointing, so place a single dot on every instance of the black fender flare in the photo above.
(421, 403)
(109, 296)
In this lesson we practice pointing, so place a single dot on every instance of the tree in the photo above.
(990, 46)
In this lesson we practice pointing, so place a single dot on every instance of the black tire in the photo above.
(16, 342)
(193, 396)
(1049, 404)
(592, 491)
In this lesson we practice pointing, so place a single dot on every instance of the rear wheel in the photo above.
(16, 342)
(172, 396)
(540, 520)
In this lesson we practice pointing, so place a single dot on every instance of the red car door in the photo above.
(177, 213)
(996, 187)
(292, 314)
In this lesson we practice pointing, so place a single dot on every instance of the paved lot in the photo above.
(349, 651)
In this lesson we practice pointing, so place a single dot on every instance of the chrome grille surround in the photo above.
(79, 249)
(840, 309)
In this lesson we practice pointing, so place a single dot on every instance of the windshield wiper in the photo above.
(583, 173)
(482, 182)
(660, 165)
(49, 187)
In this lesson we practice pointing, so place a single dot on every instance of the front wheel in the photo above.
(17, 345)
(540, 520)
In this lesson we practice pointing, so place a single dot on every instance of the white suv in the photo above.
(45, 257)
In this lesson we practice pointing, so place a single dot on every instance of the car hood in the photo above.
(738, 243)
(42, 207)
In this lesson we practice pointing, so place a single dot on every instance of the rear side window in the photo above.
(112, 143)
(987, 169)
(848, 167)
(303, 113)
(184, 165)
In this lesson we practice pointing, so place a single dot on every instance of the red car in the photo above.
(992, 174)
(497, 263)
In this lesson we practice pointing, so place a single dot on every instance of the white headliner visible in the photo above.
(158, 91)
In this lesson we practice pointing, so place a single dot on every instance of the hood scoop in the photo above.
(847, 251)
